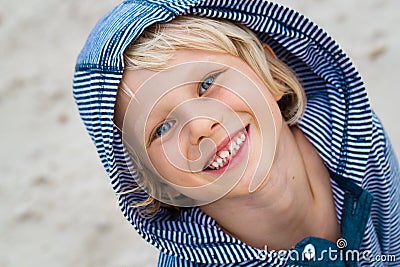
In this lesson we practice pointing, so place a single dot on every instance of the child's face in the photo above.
(204, 124)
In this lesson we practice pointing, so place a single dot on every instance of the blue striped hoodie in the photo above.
(338, 121)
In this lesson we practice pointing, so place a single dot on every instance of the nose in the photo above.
(201, 128)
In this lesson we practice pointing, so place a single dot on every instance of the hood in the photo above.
(336, 100)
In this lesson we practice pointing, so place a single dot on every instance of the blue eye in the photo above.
(163, 128)
(206, 84)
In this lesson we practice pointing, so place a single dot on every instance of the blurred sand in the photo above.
(57, 207)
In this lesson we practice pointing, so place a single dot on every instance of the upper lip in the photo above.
(221, 145)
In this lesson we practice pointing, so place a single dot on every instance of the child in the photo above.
(202, 124)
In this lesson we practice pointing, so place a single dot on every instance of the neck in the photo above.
(279, 214)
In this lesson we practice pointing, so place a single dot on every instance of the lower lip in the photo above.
(239, 156)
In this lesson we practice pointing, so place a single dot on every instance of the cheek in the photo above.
(166, 165)
(168, 172)
(159, 162)
(232, 100)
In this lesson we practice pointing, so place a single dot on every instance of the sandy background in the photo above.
(57, 207)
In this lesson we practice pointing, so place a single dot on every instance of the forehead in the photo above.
(186, 65)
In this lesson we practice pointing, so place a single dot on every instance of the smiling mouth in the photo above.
(224, 155)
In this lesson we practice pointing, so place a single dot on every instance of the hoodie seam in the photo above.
(157, 6)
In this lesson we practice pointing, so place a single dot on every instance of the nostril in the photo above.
(201, 138)
(214, 124)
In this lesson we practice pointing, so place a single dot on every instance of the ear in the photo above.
(277, 97)
(268, 50)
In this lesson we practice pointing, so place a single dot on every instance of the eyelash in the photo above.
(157, 134)
(209, 81)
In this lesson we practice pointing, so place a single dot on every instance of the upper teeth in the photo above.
(222, 158)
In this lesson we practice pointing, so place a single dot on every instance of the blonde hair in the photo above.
(157, 45)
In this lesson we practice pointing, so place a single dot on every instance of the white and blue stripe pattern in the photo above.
(338, 121)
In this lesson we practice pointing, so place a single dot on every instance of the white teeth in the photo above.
(234, 152)
(232, 146)
(225, 155)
